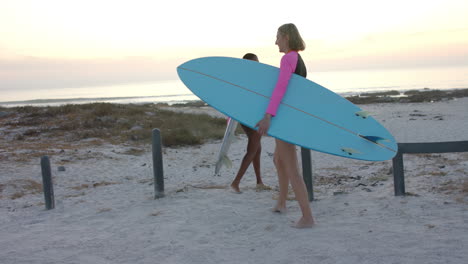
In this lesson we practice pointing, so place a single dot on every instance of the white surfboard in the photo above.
(229, 135)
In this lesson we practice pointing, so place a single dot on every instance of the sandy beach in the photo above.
(106, 212)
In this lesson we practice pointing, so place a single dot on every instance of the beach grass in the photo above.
(114, 123)
(44, 130)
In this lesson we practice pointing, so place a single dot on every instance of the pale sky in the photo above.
(69, 43)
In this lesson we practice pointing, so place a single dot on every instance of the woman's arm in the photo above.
(287, 68)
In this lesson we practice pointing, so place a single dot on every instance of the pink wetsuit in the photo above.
(287, 68)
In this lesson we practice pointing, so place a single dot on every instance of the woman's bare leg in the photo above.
(287, 163)
(283, 180)
(256, 165)
(253, 153)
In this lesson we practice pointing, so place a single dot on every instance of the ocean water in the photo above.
(341, 82)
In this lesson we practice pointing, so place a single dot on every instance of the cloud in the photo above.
(438, 48)
(33, 72)
(395, 50)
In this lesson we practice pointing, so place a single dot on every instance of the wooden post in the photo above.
(307, 172)
(47, 183)
(415, 148)
(158, 165)
(398, 174)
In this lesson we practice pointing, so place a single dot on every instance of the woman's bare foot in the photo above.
(235, 188)
(279, 209)
(304, 223)
(262, 187)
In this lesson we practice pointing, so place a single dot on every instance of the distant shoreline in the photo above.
(83, 100)
(389, 96)
(411, 96)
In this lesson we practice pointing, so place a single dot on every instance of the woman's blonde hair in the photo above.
(295, 39)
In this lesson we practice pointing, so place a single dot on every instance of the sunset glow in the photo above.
(128, 41)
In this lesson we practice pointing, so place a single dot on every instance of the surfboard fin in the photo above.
(375, 139)
(350, 151)
(363, 114)
(227, 162)
(233, 138)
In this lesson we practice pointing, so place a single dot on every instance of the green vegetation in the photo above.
(413, 96)
(133, 123)
(115, 123)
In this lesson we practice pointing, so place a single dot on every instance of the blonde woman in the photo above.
(289, 42)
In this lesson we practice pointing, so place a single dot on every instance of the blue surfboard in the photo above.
(310, 115)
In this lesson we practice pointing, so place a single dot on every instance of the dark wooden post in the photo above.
(47, 184)
(415, 148)
(398, 174)
(158, 165)
(307, 172)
